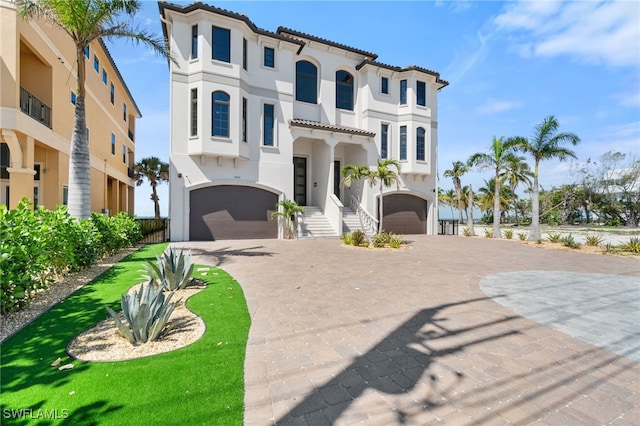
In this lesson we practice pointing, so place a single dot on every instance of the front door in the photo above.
(300, 180)
(336, 178)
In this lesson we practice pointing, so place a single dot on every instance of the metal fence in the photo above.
(154, 230)
(447, 227)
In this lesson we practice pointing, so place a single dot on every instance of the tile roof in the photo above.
(403, 69)
(298, 122)
(293, 33)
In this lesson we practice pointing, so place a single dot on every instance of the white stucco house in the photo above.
(260, 116)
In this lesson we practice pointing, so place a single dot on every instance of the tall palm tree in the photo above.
(517, 172)
(495, 159)
(546, 143)
(455, 173)
(155, 171)
(447, 199)
(470, 204)
(487, 199)
(86, 21)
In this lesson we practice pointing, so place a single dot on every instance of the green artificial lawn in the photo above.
(202, 383)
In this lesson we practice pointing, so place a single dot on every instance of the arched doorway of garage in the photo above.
(231, 212)
(404, 214)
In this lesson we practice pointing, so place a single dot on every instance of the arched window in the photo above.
(306, 82)
(420, 144)
(220, 114)
(344, 90)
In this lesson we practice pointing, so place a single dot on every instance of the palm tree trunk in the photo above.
(381, 209)
(459, 198)
(79, 159)
(534, 234)
(496, 208)
(470, 211)
(156, 203)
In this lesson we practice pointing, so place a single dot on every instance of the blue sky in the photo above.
(509, 65)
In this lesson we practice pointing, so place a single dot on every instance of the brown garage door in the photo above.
(228, 212)
(405, 214)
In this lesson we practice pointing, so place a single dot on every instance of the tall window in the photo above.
(344, 90)
(124, 112)
(403, 92)
(86, 52)
(65, 195)
(269, 57)
(220, 113)
(112, 93)
(194, 42)
(244, 119)
(113, 144)
(384, 85)
(403, 142)
(384, 140)
(124, 154)
(5, 162)
(421, 93)
(244, 54)
(267, 125)
(221, 44)
(73, 97)
(194, 112)
(306, 82)
(96, 63)
(420, 144)
(104, 76)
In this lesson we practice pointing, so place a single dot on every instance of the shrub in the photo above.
(632, 246)
(173, 270)
(396, 241)
(466, 232)
(570, 242)
(508, 234)
(347, 239)
(381, 239)
(488, 233)
(522, 236)
(593, 240)
(146, 313)
(608, 248)
(554, 238)
(358, 238)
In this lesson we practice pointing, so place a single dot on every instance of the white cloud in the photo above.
(596, 32)
(493, 106)
(628, 99)
(465, 61)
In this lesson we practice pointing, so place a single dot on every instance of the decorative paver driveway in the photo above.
(352, 336)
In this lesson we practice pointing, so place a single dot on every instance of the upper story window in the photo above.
(112, 93)
(384, 85)
(86, 51)
(403, 92)
(104, 76)
(421, 93)
(244, 119)
(124, 153)
(306, 82)
(194, 112)
(194, 42)
(244, 54)
(269, 57)
(96, 63)
(113, 144)
(420, 144)
(5, 161)
(384, 140)
(221, 46)
(403, 142)
(268, 124)
(124, 112)
(344, 90)
(220, 112)
(73, 97)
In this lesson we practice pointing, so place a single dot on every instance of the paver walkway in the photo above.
(347, 336)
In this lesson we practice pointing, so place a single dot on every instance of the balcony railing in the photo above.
(34, 107)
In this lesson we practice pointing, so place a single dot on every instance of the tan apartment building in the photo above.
(37, 95)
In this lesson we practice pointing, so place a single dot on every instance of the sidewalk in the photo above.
(352, 336)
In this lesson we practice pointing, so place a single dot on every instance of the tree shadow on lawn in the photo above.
(27, 355)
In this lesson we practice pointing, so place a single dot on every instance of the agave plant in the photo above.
(146, 313)
(173, 270)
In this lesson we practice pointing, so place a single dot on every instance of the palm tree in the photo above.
(447, 198)
(288, 209)
(517, 172)
(470, 204)
(545, 144)
(86, 21)
(495, 159)
(155, 171)
(386, 173)
(487, 199)
(455, 173)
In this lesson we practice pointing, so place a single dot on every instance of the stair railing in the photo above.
(368, 223)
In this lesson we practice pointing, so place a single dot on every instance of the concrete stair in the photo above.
(351, 222)
(315, 224)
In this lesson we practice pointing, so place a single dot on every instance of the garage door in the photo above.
(405, 214)
(230, 212)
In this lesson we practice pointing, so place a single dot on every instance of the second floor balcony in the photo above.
(34, 107)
